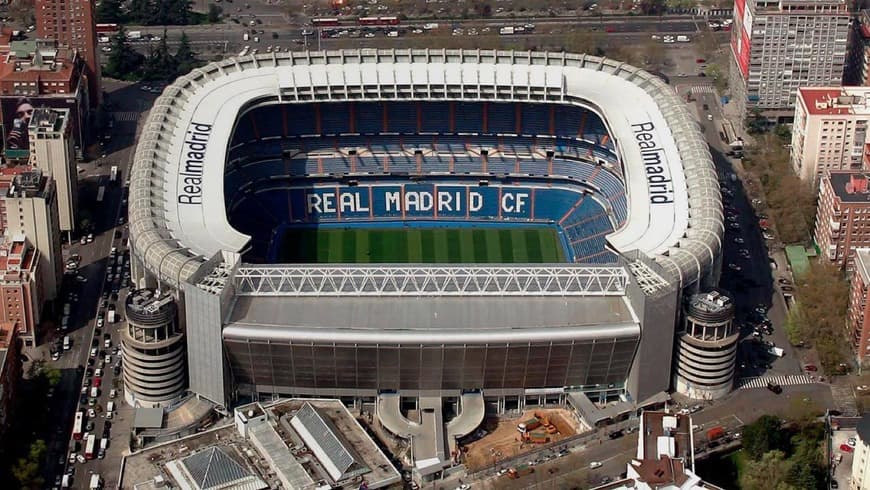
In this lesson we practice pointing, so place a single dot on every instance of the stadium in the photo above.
(513, 227)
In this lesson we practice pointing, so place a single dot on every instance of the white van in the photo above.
(95, 392)
(110, 410)
(67, 343)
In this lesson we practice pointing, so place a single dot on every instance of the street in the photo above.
(76, 364)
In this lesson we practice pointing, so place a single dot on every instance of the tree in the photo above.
(768, 472)
(52, 376)
(764, 435)
(805, 470)
(26, 470)
(185, 58)
(820, 313)
(160, 65)
(110, 11)
(124, 63)
(214, 13)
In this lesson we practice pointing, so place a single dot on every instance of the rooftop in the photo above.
(851, 187)
(276, 451)
(363, 316)
(712, 302)
(46, 120)
(829, 101)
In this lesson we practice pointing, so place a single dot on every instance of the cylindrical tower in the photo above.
(707, 348)
(154, 362)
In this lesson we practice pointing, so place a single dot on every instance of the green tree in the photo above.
(185, 58)
(110, 11)
(805, 470)
(52, 376)
(768, 472)
(124, 63)
(26, 470)
(214, 13)
(160, 65)
(764, 435)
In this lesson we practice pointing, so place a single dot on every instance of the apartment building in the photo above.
(843, 216)
(72, 24)
(830, 131)
(52, 150)
(28, 207)
(20, 286)
(778, 47)
(857, 72)
(37, 74)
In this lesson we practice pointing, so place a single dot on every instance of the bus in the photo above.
(324, 22)
(101, 193)
(107, 28)
(91, 446)
(378, 21)
(77, 425)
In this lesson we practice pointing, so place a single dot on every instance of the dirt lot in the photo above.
(503, 439)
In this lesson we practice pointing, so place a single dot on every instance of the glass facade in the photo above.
(369, 368)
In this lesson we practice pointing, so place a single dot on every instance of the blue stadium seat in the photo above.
(402, 117)
(435, 117)
(501, 118)
(244, 131)
(270, 121)
(335, 118)
(301, 120)
(469, 117)
(535, 119)
(369, 117)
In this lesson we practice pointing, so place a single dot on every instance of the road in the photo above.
(232, 33)
(84, 313)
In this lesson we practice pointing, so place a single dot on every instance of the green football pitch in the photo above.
(421, 245)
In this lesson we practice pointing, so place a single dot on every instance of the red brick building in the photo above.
(843, 216)
(858, 316)
(72, 24)
(40, 74)
(10, 371)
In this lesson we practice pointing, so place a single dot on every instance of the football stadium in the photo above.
(485, 228)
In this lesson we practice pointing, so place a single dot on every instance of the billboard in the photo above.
(16, 113)
(741, 35)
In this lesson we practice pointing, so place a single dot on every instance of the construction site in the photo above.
(508, 437)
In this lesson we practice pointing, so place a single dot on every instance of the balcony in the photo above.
(835, 225)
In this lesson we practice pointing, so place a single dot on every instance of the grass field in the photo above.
(421, 245)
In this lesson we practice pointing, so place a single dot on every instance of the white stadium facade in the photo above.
(602, 325)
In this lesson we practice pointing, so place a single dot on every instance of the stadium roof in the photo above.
(177, 213)
(425, 319)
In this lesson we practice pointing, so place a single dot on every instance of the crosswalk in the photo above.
(702, 89)
(125, 116)
(785, 380)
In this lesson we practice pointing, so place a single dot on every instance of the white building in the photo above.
(861, 459)
(52, 150)
(830, 131)
(778, 47)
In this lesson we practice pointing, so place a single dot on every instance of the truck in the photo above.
(111, 316)
(715, 433)
(91, 447)
(506, 31)
(431, 25)
(776, 351)
(134, 35)
(683, 39)
(96, 482)
(520, 471)
(529, 425)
